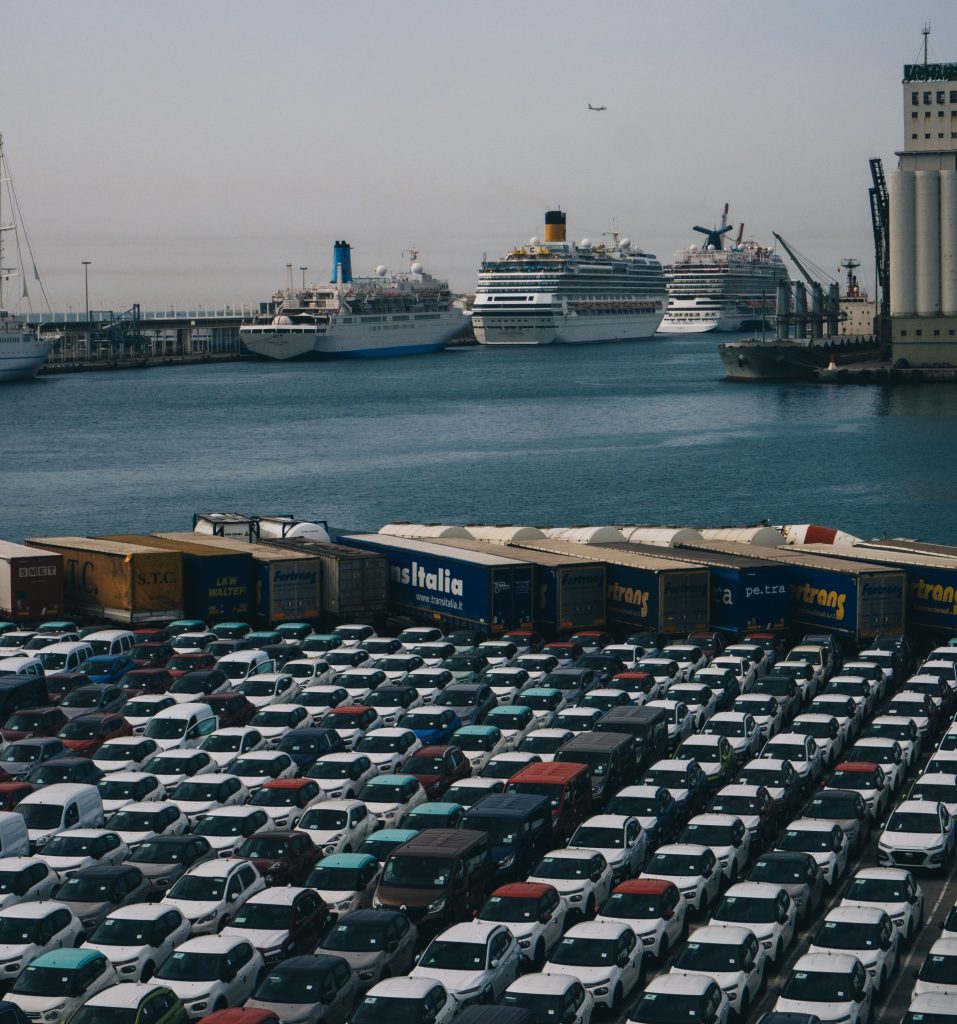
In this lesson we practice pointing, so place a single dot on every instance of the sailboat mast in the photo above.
(2, 176)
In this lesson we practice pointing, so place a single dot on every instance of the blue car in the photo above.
(654, 807)
(383, 841)
(107, 668)
(433, 726)
(434, 814)
(306, 746)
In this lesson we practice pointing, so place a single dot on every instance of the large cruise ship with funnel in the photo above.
(720, 286)
(560, 292)
(387, 314)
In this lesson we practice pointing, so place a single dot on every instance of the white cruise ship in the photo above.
(559, 292)
(397, 314)
(721, 287)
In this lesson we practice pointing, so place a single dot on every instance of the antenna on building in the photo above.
(926, 32)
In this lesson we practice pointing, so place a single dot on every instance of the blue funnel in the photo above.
(342, 263)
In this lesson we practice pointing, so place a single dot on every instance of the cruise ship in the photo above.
(560, 292)
(387, 314)
(722, 288)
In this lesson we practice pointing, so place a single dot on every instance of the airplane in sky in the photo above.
(590, 107)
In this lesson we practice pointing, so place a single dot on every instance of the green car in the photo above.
(132, 1003)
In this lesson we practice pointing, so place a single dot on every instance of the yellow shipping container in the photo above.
(118, 581)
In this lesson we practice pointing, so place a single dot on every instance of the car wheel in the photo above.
(778, 953)
(663, 949)
(220, 1004)
(882, 982)
(590, 907)
(744, 1007)
(148, 968)
(538, 960)
(616, 999)
(487, 996)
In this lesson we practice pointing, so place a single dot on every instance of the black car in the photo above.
(163, 859)
(603, 665)
(95, 697)
(92, 893)
(65, 769)
(20, 757)
(200, 683)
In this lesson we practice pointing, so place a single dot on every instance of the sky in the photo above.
(190, 149)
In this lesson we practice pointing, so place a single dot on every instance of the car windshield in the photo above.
(323, 819)
(709, 957)
(40, 816)
(221, 825)
(933, 791)
(346, 720)
(67, 845)
(121, 751)
(322, 699)
(420, 765)
(134, 821)
(746, 910)
(83, 697)
(331, 770)
(259, 687)
(456, 698)
(818, 987)
(836, 805)
(707, 835)
(563, 867)
(500, 831)
(383, 792)
(264, 848)
(254, 767)
(13, 882)
(784, 751)
(22, 752)
(725, 727)
(157, 853)
(462, 663)
(344, 658)
(386, 699)
(166, 728)
(581, 952)
(778, 871)
(670, 864)
(670, 778)
(222, 743)
(417, 872)
(52, 660)
(193, 887)
(633, 905)
(939, 968)
(202, 792)
(139, 707)
(847, 935)
(914, 821)
(191, 966)
(540, 701)
(274, 719)
(596, 837)
(853, 780)
(20, 931)
(639, 806)
(267, 797)
(25, 721)
(48, 982)
(510, 910)
(120, 931)
(264, 916)
(77, 889)
(668, 1008)
(113, 790)
(735, 805)
(333, 879)
(376, 743)
(535, 744)
(806, 841)
(375, 1009)
(445, 955)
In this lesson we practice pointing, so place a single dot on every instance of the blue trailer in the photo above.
(430, 582)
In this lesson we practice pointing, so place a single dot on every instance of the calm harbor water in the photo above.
(641, 432)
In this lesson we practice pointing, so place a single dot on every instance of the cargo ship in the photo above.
(560, 292)
(387, 314)
(719, 288)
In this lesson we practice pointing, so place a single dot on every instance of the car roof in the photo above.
(542, 984)
(685, 984)
(281, 895)
(830, 963)
(523, 890)
(645, 886)
(721, 935)
(755, 890)
(37, 909)
(857, 915)
(67, 959)
(346, 860)
(405, 987)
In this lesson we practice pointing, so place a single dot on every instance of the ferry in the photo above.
(719, 288)
(387, 314)
(560, 292)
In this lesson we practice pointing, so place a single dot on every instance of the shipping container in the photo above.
(31, 583)
(287, 584)
(746, 593)
(931, 580)
(119, 582)
(432, 583)
(858, 600)
(642, 591)
(217, 584)
(355, 583)
(569, 594)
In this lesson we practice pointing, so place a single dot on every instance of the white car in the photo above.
(752, 804)
(139, 937)
(392, 702)
(545, 742)
(425, 998)
(390, 798)
(693, 869)
(815, 656)
(256, 768)
(938, 972)
(619, 838)
(743, 669)
(865, 932)
(605, 956)
(845, 710)
(354, 634)
(211, 892)
(46, 991)
(135, 823)
(918, 834)
(211, 972)
(346, 881)
(541, 993)
(533, 913)
(681, 723)
(256, 921)
(498, 652)
(475, 961)
(582, 878)
(766, 909)
(310, 671)
(689, 658)
(701, 700)
(726, 836)
(83, 848)
(139, 710)
(360, 682)
(885, 752)
(342, 775)
(388, 748)
(277, 721)
(225, 745)
(515, 721)
(506, 681)
(396, 667)
(741, 730)
(125, 754)
(767, 711)
(823, 840)
(381, 647)
(577, 720)
(802, 751)
(832, 986)
(507, 764)
(756, 654)
(905, 731)
(537, 666)
(432, 653)
(826, 732)
(671, 997)
(480, 744)
(934, 787)
(893, 890)
(733, 956)
(270, 688)
(862, 691)
(429, 682)
(122, 788)
(196, 797)
(930, 1006)
(338, 826)
(172, 766)
(630, 654)
(28, 930)
(227, 828)
(655, 911)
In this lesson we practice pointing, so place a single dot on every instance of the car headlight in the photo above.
(54, 1011)
(206, 918)
(601, 991)
(198, 1007)
(345, 904)
(525, 943)
(507, 862)
(13, 965)
(437, 906)
(366, 975)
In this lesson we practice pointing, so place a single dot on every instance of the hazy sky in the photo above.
(192, 148)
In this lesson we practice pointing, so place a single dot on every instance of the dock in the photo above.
(885, 373)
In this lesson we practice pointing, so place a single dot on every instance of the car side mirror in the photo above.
(494, 963)
(546, 917)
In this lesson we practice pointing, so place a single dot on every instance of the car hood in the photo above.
(586, 975)
(8, 953)
(21, 767)
(64, 865)
(868, 957)
(108, 767)
(454, 981)
(87, 909)
(360, 961)
(34, 1006)
(135, 838)
(117, 954)
(194, 909)
(334, 896)
(188, 990)
(910, 840)
(564, 885)
(825, 1011)
(261, 938)
(725, 979)
(639, 925)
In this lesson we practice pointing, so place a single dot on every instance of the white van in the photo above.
(14, 841)
(185, 725)
(241, 665)
(22, 666)
(64, 657)
(59, 808)
(110, 641)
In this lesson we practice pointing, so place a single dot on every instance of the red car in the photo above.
(11, 793)
(146, 680)
(231, 709)
(149, 636)
(296, 794)
(591, 640)
(180, 664)
(151, 655)
(282, 857)
(633, 682)
(85, 734)
(33, 722)
(564, 650)
(240, 1015)
(711, 643)
(526, 640)
(437, 768)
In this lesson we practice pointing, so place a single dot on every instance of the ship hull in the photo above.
(753, 360)
(21, 355)
(576, 329)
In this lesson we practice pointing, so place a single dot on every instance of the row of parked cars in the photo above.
(332, 827)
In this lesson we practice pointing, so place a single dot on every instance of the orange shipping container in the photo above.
(117, 581)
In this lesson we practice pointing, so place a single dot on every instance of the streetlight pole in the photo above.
(86, 286)
(303, 269)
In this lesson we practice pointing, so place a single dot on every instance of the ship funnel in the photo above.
(554, 226)
(342, 263)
